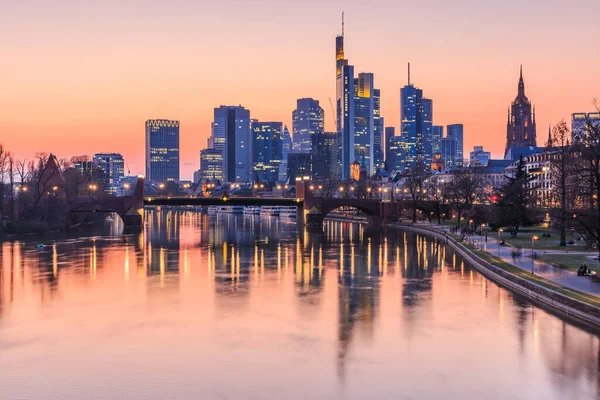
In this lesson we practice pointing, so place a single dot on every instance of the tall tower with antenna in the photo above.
(344, 95)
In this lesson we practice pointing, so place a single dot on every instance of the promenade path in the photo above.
(562, 277)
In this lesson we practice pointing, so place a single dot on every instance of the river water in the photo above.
(239, 307)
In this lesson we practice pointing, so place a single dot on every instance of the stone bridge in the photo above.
(129, 208)
(377, 212)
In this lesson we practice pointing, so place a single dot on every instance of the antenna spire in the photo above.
(408, 74)
(342, 24)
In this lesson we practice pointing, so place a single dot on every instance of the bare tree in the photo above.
(414, 184)
(586, 218)
(464, 189)
(561, 169)
(4, 169)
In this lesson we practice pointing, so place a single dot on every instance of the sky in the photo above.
(82, 77)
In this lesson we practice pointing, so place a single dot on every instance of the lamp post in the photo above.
(533, 239)
(499, 232)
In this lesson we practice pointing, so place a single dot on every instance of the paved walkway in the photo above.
(562, 277)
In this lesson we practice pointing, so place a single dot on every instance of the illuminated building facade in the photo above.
(416, 124)
(520, 128)
(308, 119)
(267, 145)
(162, 150)
(456, 131)
(232, 137)
(580, 124)
(449, 155)
(436, 138)
(112, 166)
(211, 166)
(344, 107)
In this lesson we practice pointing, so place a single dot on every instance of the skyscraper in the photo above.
(364, 122)
(378, 139)
(390, 132)
(267, 145)
(286, 148)
(162, 150)
(308, 119)
(396, 154)
(520, 128)
(436, 138)
(231, 136)
(448, 150)
(456, 131)
(113, 167)
(344, 106)
(416, 124)
(324, 152)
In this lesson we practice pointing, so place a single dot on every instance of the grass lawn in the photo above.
(571, 262)
(523, 239)
(587, 298)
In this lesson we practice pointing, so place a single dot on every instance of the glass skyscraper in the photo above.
(267, 148)
(456, 131)
(416, 123)
(449, 153)
(162, 150)
(324, 153)
(436, 138)
(231, 136)
(286, 148)
(308, 119)
(344, 95)
(364, 110)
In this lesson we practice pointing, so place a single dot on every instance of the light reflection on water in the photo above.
(240, 307)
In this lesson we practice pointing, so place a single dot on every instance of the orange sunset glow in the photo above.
(81, 78)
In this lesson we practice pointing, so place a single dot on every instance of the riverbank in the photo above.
(571, 303)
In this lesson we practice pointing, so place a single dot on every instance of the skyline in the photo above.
(70, 76)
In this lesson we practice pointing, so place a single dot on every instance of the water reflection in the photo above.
(357, 314)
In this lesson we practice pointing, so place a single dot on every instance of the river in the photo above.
(241, 307)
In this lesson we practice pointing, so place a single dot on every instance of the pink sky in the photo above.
(77, 78)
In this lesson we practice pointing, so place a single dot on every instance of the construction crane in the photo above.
(333, 114)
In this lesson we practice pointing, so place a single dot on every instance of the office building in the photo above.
(286, 148)
(344, 107)
(416, 124)
(395, 154)
(520, 127)
(324, 153)
(378, 134)
(308, 119)
(162, 150)
(267, 145)
(112, 166)
(479, 157)
(456, 131)
(436, 138)
(581, 123)
(449, 154)
(232, 137)
(299, 165)
(211, 166)
(364, 122)
(389, 132)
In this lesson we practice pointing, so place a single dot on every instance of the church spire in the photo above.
(521, 83)
(549, 143)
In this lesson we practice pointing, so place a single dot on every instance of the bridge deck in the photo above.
(232, 201)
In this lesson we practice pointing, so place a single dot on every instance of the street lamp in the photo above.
(533, 239)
